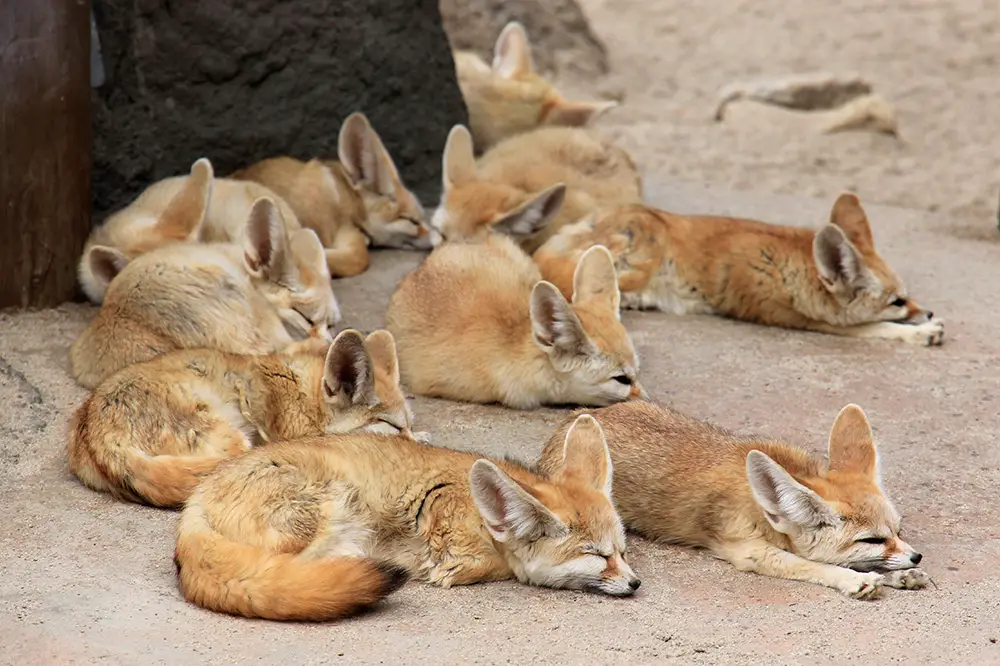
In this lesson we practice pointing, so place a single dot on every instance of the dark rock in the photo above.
(241, 81)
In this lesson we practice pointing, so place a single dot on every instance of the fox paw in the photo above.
(863, 586)
(907, 579)
(422, 436)
(927, 334)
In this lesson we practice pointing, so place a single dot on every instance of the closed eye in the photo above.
(590, 550)
(875, 540)
(310, 321)
(623, 379)
(898, 303)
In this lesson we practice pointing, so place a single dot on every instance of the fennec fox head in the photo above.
(585, 340)
(181, 220)
(361, 386)
(471, 208)
(395, 217)
(864, 286)
(564, 532)
(290, 270)
(843, 517)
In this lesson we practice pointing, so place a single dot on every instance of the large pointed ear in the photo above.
(364, 157)
(348, 379)
(595, 280)
(786, 503)
(848, 214)
(458, 161)
(532, 216)
(106, 263)
(586, 455)
(852, 445)
(387, 181)
(512, 52)
(382, 349)
(308, 251)
(839, 263)
(265, 242)
(508, 510)
(555, 326)
(576, 114)
(185, 214)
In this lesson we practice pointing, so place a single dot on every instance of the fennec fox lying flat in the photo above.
(510, 97)
(152, 430)
(531, 184)
(476, 323)
(318, 529)
(254, 298)
(350, 204)
(762, 505)
(832, 281)
(196, 207)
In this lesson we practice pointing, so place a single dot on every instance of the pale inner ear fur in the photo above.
(532, 216)
(556, 328)
(512, 52)
(355, 151)
(586, 455)
(852, 444)
(508, 511)
(386, 179)
(786, 503)
(106, 263)
(348, 379)
(839, 263)
(459, 163)
(595, 279)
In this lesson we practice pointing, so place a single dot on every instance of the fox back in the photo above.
(531, 184)
(330, 525)
(254, 298)
(683, 481)
(475, 322)
(510, 97)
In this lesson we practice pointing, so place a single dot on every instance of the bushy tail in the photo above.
(229, 577)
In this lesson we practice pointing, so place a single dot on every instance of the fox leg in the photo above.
(927, 334)
(348, 255)
(762, 558)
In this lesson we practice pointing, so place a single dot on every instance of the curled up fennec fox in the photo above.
(255, 298)
(509, 97)
(831, 281)
(351, 204)
(475, 322)
(762, 505)
(318, 529)
(152, 430)
(531, 184)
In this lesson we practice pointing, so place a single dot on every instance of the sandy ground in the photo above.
(938, 62)
(89, 580)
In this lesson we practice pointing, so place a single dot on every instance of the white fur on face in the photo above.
(581, 573)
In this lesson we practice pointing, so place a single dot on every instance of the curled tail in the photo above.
(229, 577)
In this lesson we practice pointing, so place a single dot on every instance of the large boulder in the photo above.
(241, 81)
(561, 38)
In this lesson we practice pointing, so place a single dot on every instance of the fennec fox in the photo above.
(510, 97)
(152, 430)
(831, 281)
(475, 322)
(762, 505)
(350, 204)
(196, 207)
(318, 529)
(531, 184)
(254, 298)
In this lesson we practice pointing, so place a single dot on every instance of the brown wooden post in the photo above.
(45, 136)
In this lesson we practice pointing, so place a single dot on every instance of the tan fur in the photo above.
(764, 506)
(833, 281)
(359, 200)
(317, 528)
(254, 299)
(196, 207)
(510, 188)
(475, 322)
(152, 430)
(510, 97)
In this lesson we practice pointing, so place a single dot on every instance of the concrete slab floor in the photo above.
(90, 580)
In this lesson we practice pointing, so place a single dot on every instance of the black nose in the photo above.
(930, 315)
(635, 583)
(916, 557)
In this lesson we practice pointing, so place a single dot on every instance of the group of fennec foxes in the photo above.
(218, 387)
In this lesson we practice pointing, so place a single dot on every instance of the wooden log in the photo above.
(45, 139)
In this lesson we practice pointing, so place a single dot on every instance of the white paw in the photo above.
(928, 334)
(862, 585)
(422, 436)
(907, 579)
